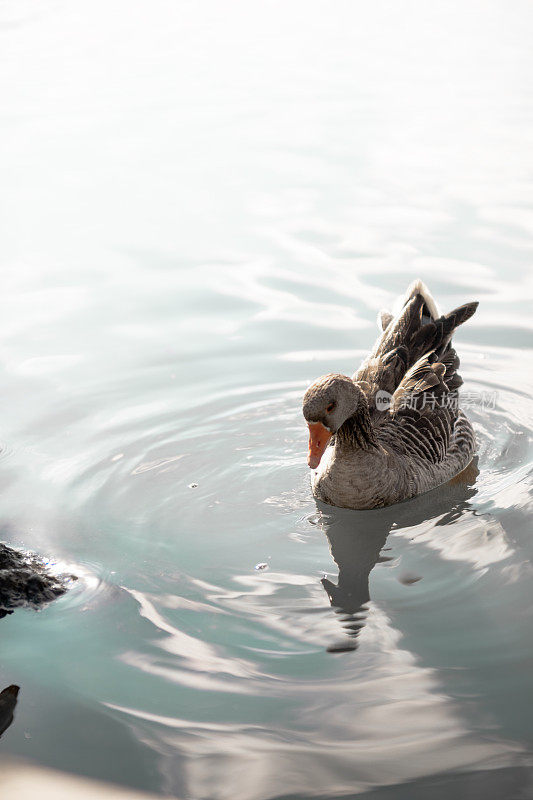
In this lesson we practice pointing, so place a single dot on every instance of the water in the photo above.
(203, 208)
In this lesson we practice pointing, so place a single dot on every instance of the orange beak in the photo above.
(319, 437)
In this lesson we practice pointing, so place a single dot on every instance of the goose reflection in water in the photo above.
(8, 701)
(357, 538)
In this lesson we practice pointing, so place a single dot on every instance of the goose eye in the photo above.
(330, 408)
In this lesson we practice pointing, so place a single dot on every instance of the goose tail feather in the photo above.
(419, 287)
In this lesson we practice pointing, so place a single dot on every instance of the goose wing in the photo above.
(423, 414)
(416, 330)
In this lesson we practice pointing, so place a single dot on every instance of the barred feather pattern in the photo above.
(408, 338)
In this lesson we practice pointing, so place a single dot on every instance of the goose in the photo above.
(394, 430)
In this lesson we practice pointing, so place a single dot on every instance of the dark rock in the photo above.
(8, 701)
(25, 581)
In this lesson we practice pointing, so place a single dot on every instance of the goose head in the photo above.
(327, 404)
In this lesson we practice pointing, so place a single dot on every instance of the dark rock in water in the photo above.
(26, 581)
(8, 701)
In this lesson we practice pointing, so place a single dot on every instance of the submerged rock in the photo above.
(26, 581)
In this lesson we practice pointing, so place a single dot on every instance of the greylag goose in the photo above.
(394, 430)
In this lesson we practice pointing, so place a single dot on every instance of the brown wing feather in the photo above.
(406, 340)
(424, 408)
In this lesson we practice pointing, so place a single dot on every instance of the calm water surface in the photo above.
(204, 205)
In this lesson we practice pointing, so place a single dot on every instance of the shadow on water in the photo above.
(357, 538)
(8, 701)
